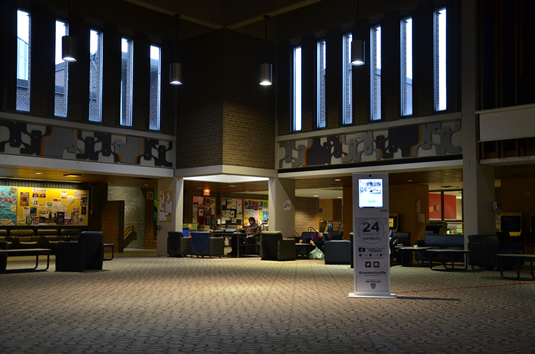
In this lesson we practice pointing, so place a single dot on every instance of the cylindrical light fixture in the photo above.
(175, 71)
(265, 74)
(68, 48)
(357, 45)
(357, 52)
(68, 43)
(265, 68)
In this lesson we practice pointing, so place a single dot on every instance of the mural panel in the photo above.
(20, 138)
(408, 141)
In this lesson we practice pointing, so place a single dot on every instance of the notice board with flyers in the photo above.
(43, 206)
(203, 210)
(256, 208)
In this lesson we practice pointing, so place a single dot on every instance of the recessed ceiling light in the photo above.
(232, 185)
(337, 180)
(409, 180)
(38, 173)
(316, 196)
(72, 175)
(340, 197)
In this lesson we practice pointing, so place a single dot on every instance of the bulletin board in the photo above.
(256, 208)
(43, 206)
(231, 211)
(203, 210)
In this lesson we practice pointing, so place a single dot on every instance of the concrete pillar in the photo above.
(282, 206)
(478, 181)
(175, 185)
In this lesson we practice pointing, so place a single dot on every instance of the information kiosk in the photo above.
(370, 236)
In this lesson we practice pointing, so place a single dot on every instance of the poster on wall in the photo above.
(8, 205)
(165, 206)
(203, 211)
(231, 211)
(257, 209)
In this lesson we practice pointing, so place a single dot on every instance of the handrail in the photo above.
(128, 230)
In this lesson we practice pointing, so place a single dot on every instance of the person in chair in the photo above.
(252, 230)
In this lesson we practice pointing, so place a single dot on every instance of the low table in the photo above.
(448, 252)
(518, 257)
(303, 249)
(28, 252)
(411, 250)
(112, 246)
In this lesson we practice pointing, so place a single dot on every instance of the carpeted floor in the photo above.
(141, 303)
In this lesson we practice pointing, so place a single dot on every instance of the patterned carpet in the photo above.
(141, 303)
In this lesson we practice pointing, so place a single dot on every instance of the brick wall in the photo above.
(306, 214)
(333, 89)
(134, 210)
(225, 116)
(150, 218)
(42, 53)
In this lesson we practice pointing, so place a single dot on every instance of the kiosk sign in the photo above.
(370, 236)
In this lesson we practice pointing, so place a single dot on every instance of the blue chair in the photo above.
(200, 244)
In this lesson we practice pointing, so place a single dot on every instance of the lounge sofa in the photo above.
(440, 241)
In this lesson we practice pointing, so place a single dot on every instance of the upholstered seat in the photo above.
(177, 244)
(200, 243)
(275, 247)
(86, 253)
(337, 252)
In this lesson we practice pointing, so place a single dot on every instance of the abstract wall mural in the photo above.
(19, 138)
(433, 139)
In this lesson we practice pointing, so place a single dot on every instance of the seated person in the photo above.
(252, 230)
(319, 240)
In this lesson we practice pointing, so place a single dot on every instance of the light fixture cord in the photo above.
(177, 17)
(358, 18)
(266, 17)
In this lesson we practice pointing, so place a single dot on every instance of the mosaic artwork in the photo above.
(432, 139)
(19, 138)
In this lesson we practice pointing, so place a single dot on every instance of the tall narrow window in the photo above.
(127, 66)
(406, 67)
(95, 76)
(439, 59)
(347, 81)
(297, 90)
(375, 72)
(23, 61)
(155, 85)
(62, 74)
(321, 64)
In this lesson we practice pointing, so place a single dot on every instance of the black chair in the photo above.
(274, 247)
(200, 244)
(177, 244)
(86, 253)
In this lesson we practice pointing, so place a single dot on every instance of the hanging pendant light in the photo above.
(175, 70)
(357, 45)
(265, 68)
(68, 43)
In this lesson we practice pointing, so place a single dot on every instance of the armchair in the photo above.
(200, 244)
(86, 253)
(338, 252)
(274, 247)
(177, 244)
